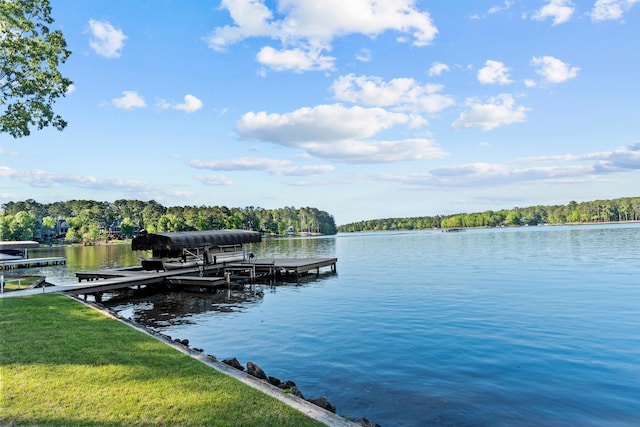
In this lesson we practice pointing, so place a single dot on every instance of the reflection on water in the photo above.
(81, 258)
(177, 308)
(165, 309)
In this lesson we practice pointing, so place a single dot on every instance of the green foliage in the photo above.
(29, 58)
(17, 227)
(89, 220)
(622, 209)
(127, 227)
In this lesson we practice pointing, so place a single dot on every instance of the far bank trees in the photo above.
(89, 221)
(598, 211)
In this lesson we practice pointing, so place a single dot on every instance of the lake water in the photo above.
(492, 327)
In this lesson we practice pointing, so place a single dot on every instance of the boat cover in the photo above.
(193, 239)
(21, 244)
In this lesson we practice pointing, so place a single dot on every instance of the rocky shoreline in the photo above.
(287, 387)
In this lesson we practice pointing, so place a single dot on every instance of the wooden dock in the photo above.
(285, 266)
(211, 277)
(31, 262)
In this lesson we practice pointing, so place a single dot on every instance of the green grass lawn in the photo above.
(65, 364)
(12, 284)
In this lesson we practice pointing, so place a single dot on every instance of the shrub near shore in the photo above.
(63, 363)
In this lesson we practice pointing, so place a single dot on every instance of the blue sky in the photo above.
(361, 108)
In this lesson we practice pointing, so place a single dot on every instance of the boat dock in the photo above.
(31, 262)
(201, 261)
(14, 254)
(201, 278)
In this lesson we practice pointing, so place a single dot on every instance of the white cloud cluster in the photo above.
(554, 70)
(129, 99)
(604, 10)
(559, 10)
(296, 60)
(106, 40)
(337, 132)
(190, 104)
(403, 94)
(277, 167)
(437, 68)
(214, 180)
(567, 169)
(307, 28)
(494, 72)
(498, 111)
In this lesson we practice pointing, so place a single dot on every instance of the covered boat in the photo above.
(189, 248)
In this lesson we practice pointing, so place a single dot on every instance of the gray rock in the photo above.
(366, 423)
(324, 403)
(233, 363)
(256, 371)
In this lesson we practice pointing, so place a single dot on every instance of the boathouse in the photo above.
(17, 249)
(204, 247)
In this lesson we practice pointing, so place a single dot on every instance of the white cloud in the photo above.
(507, 5)
(554, 70)
(307, 27)
(190, 104)
(495, 9)
(401, 93)
(272, 166)
(8, 172)
(134, 188)
(5, 152)
(364, 55)
(70, 89)
(560, 10)
(494, 72)
(305, 170)
(130, 99)
(338, 133)
(437, 68)
(566, 169)
(499, 111)
(297, 60)
(604, 10)
(622, 159)
(354, 151)
(214, 180)
(106, 40)
(491, 174)
(320, 123)
(241, 164)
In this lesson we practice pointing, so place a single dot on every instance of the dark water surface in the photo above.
(494, 327)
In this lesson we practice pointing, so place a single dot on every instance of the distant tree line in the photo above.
(622, 209)
(89, 221)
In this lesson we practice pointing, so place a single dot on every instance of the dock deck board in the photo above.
(120, 278)
(31, 262)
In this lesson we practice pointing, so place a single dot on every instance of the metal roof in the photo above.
(18, 244)
(193, 239)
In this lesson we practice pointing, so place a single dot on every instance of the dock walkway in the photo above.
(31, 262)
(210, 276)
